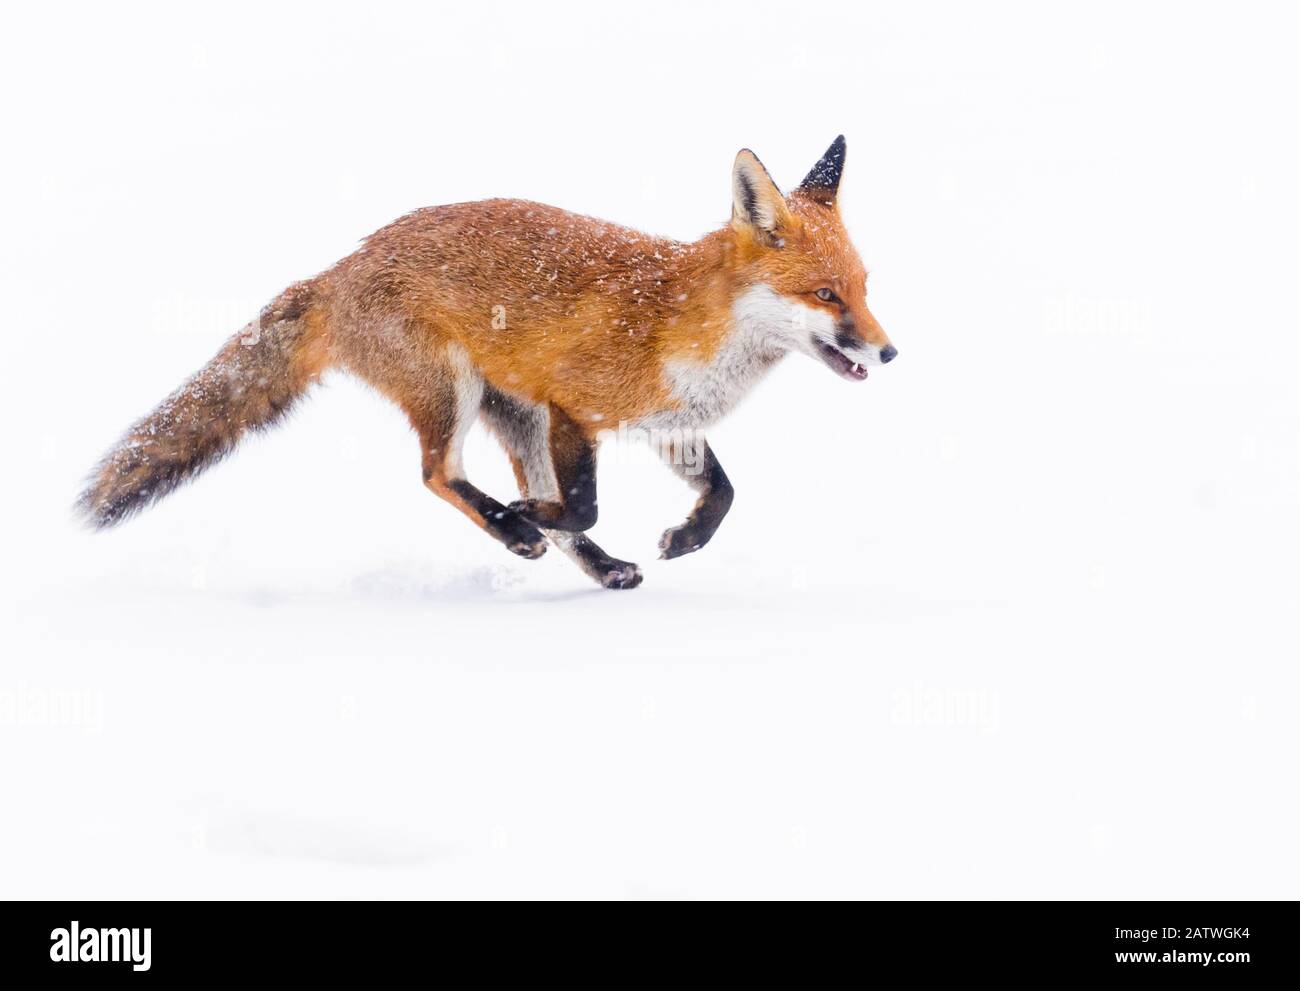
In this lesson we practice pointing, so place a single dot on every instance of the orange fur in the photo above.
(591, 310)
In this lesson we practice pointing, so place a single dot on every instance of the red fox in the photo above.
(550, 327)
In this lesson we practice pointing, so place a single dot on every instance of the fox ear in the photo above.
(823, 182)
(755, 200)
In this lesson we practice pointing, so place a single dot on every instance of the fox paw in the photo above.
(519, 536)
(527, 549)
(679, 540)
(621, 574)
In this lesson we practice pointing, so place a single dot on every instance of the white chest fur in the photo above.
(764, 326)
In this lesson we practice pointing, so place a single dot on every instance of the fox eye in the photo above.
(826, 296)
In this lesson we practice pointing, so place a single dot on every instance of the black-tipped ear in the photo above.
(823, 182)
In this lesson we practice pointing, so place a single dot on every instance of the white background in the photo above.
(1014, 618)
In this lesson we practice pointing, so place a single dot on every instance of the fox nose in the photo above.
(888, 353)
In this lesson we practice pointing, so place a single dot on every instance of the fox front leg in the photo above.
(693, 460)
(573, 457)
(525, 432)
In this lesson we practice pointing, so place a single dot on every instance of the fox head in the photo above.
(803, 286)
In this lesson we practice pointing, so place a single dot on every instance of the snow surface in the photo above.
(1015, 617)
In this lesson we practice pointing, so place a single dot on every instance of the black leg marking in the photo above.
(523, 430)
(716, 495)
(519, 536)
(609, 571)
(574, 461)
(441, 424)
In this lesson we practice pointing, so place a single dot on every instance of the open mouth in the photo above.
(840, 362)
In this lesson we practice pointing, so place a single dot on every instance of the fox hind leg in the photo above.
(525, 432)
(442, 418)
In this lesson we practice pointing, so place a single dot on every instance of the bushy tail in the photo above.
(249, 385)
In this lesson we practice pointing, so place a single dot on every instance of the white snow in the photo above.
(1014, 617)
